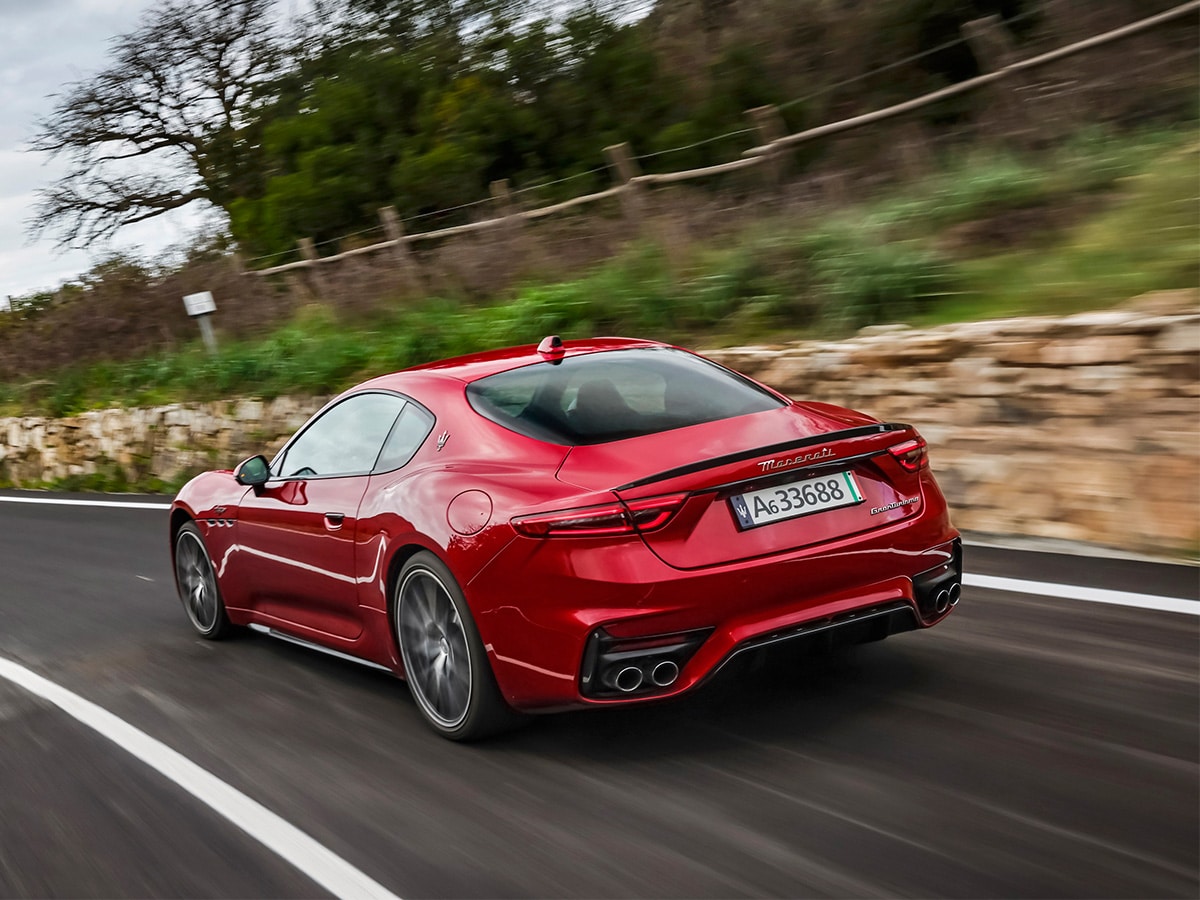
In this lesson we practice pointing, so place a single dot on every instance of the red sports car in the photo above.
(580, 523)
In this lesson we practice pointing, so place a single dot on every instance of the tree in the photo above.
(421, 104)
(169, 122)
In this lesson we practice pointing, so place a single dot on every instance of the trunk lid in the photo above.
(732, 471)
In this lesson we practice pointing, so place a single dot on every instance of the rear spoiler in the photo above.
(690, 468)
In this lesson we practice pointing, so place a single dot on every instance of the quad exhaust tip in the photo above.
(947, 597)
(941, 602)
(664, 674)
(628, 680)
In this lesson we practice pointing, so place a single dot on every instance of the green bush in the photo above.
(865, 280)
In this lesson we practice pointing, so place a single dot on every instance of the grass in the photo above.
(1111, 218)
(986, 181)
(1147, 240)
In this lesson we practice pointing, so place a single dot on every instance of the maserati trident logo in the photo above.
(770, 465)
(442, 438)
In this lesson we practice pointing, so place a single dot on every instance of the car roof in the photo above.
(479, 365)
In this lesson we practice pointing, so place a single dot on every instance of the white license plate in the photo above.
(800, 498)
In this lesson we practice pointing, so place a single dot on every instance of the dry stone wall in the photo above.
(163, 442)
(1083, 428)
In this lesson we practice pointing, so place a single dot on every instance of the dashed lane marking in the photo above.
(310, 857)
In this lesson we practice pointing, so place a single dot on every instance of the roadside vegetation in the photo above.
(1079, 194)
(1090, 224)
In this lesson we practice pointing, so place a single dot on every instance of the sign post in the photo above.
(201, 307)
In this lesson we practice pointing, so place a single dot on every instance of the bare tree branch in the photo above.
(164, 124)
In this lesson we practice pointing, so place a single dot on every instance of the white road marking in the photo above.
(992, 582)
(1078, 592)
(55, 501)
(313, 859)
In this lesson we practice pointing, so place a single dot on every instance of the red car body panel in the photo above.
(316, 558)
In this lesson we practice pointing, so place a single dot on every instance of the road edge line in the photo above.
(112, 504)
(305, 853)
(1079, 592)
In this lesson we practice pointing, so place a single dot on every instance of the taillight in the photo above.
(606, 520)
(911, 454)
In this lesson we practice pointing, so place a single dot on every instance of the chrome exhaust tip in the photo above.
(664, 674)
(629, 679)
(941, 602)
(955, 594)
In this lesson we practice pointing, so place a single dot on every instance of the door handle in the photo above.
(334, 520)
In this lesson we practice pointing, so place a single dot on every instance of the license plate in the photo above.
(800, 498)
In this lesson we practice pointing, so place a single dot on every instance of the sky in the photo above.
(44, 46)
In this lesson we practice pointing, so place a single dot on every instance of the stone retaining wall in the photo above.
(162, 442)
(1080, 428)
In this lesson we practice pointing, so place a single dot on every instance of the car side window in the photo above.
(346, 439)
(407, 435)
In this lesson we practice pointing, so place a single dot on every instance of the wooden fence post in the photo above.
(659, 229)
(910, 149)
(625, 168)
(309, 251)
(236, 263)
(393, 227)
(513, 222)
(298, 287)
(770, 127)
(993, 48)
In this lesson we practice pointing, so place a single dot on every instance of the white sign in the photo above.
(200, 304)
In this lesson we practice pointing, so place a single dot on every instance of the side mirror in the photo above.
(252, 472)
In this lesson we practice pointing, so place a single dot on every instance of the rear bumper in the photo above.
(541, 605)
(869, 623)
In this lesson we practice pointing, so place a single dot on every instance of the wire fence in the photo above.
(766, 160)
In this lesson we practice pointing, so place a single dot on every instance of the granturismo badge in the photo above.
(899, 503)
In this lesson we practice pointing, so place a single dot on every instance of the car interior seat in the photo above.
(599, 408)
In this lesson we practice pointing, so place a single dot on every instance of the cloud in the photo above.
(44, 46)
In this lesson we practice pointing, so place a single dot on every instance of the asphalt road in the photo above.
(1028, 747)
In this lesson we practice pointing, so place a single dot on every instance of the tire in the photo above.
(445, 665)
(197, 585)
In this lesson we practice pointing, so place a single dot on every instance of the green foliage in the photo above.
(985, 181)
(1148, 239)
(378, 120)
(1127, 227)
(748, 290)
(867, 279)
(109, 476)
(27, 306)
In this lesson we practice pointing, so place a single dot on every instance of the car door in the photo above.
(297, 534)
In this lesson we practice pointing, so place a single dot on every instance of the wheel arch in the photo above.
(179, 516)
(399, 558)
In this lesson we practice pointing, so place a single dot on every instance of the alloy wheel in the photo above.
(435, 647)
(197, 583)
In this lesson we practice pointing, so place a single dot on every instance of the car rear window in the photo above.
(614, 395)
